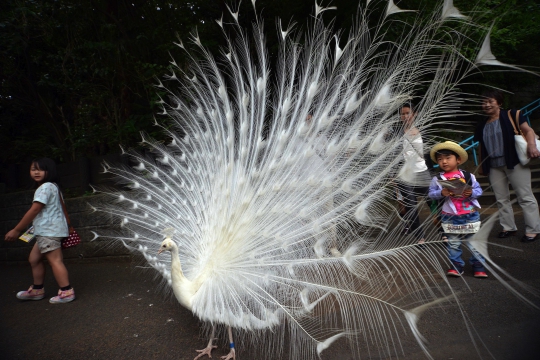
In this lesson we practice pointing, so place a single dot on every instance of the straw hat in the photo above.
(449, 145)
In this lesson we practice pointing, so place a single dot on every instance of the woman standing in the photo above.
(501, 163)
(414, 177)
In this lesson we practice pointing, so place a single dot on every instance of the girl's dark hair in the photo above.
(494, 94)
(49, 166)
(409, 105)
(446, 152)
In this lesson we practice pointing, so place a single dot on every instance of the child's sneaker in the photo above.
(31, 294)
(63, 297)
(454, 273)
(480, 274)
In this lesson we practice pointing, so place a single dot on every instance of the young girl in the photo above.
(50, 227)
(459, 211)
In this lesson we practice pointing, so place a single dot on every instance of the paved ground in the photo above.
(121, 314)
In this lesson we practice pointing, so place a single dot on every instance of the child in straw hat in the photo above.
(460, 217)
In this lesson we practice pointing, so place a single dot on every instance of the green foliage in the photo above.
(515, 35)
(77, 77)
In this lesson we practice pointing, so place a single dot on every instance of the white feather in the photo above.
(323, 345)
(392, 8)
(140, 167)
(450, 11)
(384, 97)
(486, 57)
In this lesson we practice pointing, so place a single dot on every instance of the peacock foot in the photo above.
(206, 351)
(230, 355)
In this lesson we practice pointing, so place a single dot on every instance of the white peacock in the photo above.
(272, 194)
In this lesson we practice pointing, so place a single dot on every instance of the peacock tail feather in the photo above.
(277, 183)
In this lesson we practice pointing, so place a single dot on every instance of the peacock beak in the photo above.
(160, 251)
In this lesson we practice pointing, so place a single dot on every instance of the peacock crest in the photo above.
(168, 232)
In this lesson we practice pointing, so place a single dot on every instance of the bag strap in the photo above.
(512, 122)
(467, 177)
(63, 206)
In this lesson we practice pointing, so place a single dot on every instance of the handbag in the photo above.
(73, 239)
(521, 142)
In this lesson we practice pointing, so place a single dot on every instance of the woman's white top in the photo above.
(51, 220)
(413, 152)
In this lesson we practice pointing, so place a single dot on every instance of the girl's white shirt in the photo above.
(51, 220)
(413, 150)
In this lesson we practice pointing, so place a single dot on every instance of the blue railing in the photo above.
(528, 109)
(470, 144)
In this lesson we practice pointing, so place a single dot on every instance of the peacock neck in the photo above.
(176, 266)
(181, 285)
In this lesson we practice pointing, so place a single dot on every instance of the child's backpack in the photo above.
(436, 205)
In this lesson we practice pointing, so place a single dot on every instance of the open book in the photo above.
(456, 186)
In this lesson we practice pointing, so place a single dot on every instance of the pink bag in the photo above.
(72, 240)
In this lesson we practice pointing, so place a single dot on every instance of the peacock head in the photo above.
(167, 245)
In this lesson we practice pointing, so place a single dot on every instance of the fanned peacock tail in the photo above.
(276, 180)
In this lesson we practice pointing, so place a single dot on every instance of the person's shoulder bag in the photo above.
(521, 142)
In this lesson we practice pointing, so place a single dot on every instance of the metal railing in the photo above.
(528, 109)
(472, 146)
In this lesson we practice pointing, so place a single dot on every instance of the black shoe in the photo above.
(505, 234)
(526, 238)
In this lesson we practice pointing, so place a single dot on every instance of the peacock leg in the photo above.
(232, 352)
(209, 348)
